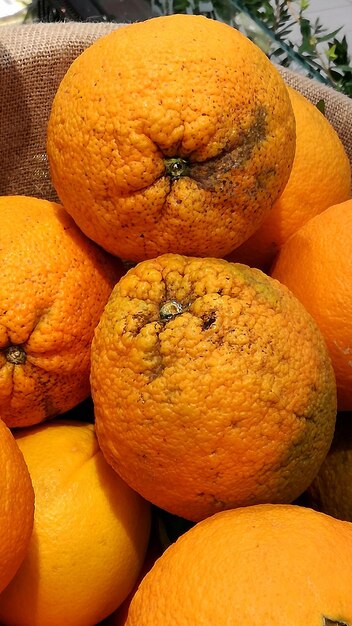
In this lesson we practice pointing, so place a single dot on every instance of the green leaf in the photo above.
(305, 27)
(331, 53)
(329, 35)
(346, 69)
(223, 9)
(321, 106)
(180, 6)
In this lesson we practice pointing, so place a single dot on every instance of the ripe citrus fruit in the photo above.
(320, 177)
(212, 386)
(315, 264)
(54, 284)
(16, 506)
(90, 532)
(175, 134)
(264, 564)
(154, 551)
(331, 490)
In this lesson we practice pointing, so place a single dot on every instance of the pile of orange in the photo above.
(184, 313)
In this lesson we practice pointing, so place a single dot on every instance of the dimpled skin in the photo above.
(179, 86)
(230, 402)
(90, 532)
(320, 177)
(331, 490)
(54, 283)
(16, 506)
(279, 565)
(315, 264)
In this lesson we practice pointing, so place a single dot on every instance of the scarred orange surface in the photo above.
(320, 177)
(54, 283)
(274, 565)
(16, 506)
(315, 264)
(212, 386)
(178, 87)
(90, 532)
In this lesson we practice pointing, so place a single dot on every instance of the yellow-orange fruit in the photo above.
(90, 532)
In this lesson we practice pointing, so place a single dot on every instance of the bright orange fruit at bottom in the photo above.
(266, 564)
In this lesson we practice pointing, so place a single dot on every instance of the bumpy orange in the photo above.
(320, 177)
(90, 532)
(316, 265)
(265, 564)
(175, 134)
(16, 506)
(212, 386)
(331, 490)
(54, 284)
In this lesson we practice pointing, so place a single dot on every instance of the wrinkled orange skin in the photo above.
(54, 284)
(179, 86)
(315, 264)
(265, 564)
(320, 177)
(228, 403)
(16, 506)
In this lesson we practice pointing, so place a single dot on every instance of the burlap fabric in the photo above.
(34, 58)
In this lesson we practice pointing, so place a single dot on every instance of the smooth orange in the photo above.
(316, 266)
(90, 532)
(16, 506)
(320, 177)
(265, 564)
(175, 134)
(212, 386)
(154, 551)
(54, 283)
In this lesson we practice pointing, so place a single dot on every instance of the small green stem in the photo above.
(169, 310)
(15, 355)
(176, 167)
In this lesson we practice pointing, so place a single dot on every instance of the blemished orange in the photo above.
(16, 506)
(90, 532)
(265, 564)
(316, 266)
(331, 490)
(175, 134)
(54, 283)
(320, 177)
(212, 386)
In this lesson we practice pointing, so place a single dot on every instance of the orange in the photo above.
(90, 532)
(54, 284)
(320, 177)
(265, 564)
(154, 551)
(212, 386)
(16, 506)
(315, 264)
(175, 134)
(331, 490)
